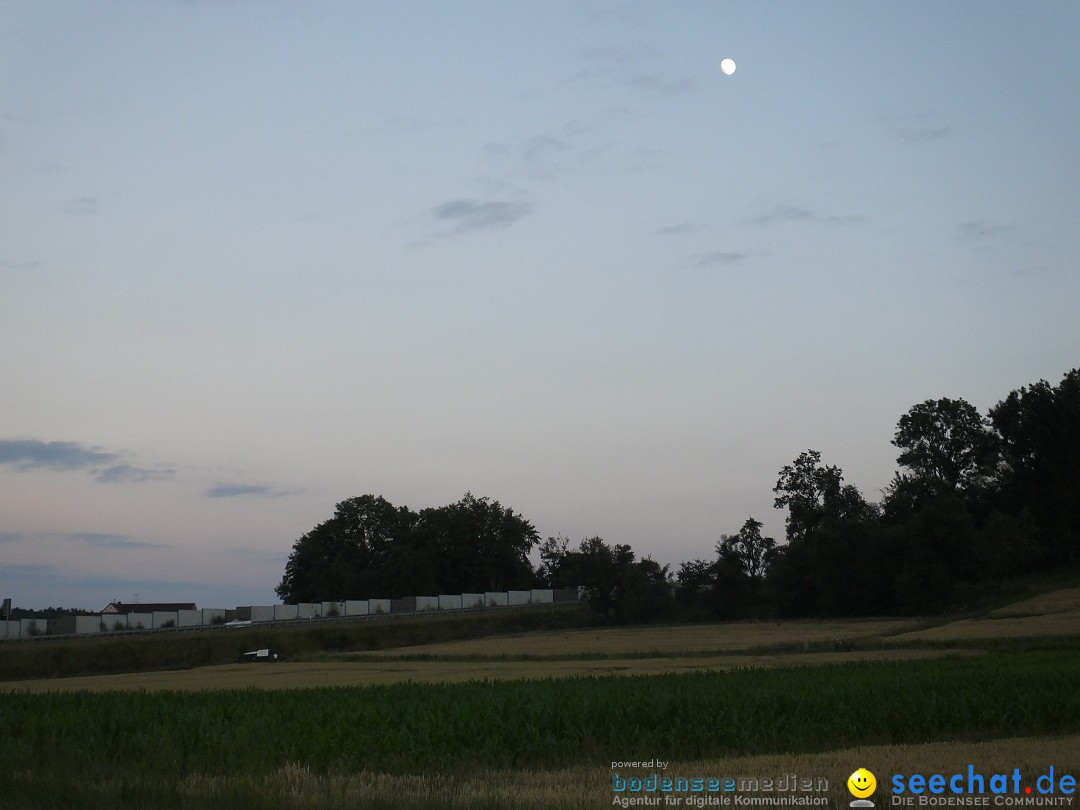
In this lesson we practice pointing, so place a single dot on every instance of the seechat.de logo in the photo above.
(861, 785)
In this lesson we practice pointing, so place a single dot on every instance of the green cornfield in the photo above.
(424, 728)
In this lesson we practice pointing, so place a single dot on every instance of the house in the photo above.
(121, 608)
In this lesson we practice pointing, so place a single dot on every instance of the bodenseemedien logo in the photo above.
(862, 784)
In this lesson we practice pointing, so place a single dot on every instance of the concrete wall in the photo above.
(262, 613)
(356, 607)
(24, 628)
(140, 621)
(265, 613)
(88, 624)
(330, 609)
(285, 612)
(115, 622)
(163, 617)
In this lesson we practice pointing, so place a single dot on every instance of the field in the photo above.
(538, 719)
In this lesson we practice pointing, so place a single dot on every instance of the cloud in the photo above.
(18, 266)
(704, 260)
(540, 156)
(237, 490)
(259, 555)
(475, 215)
(110, 541)
(786, 213)
(580, 144)
(81, 206)
(679, 228)
(126, 473)
(920, 134)
(919, 128)
(21, 572)
(25, 455)
(32, 454)
(92, 539)
(981, 229)
(538, 147)
(660, 83)
(795, 213)
(53, 576)
(631, 65)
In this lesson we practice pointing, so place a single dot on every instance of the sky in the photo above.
(260, 257)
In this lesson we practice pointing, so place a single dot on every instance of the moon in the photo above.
(728, 66)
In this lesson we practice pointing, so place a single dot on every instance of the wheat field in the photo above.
(590, 787)
(1056, 613)
(304, 674)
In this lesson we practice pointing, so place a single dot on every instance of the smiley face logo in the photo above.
(861, 783)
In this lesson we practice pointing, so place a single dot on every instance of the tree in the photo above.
(694, 583)
(944, 442)
(370, 548)
(481, 545)
(1038, 437)
(1006, 546)
(751, 552)
(826, 565)
(554, 570)
(731, 587)
(812, 492)
(615, 584)
(645, 593)
(349, 555)
(311, 566)
(946, 449)
(600, 568)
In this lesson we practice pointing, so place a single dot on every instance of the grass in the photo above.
(94, 655)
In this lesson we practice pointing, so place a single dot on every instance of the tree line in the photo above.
(976, 499)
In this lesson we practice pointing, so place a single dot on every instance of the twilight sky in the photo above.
(259, 257)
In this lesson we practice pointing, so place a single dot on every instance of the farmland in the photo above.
(534, 719)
